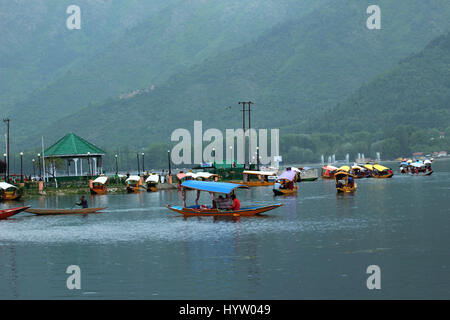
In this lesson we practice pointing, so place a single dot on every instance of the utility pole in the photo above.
(243, 129)
(249, 129)
(7, 152)
(139, 169)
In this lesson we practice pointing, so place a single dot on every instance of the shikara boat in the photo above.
(342, 182)
(262, 178)
(9, 192)
(381, 172)
(99, 185)
(286, 183)
(210, 211)
(133, 183)
(308, 174)
(63, 211)
(327, 172)
(6, 213)
(151, 183)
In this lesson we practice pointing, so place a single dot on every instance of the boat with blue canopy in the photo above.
(217, 191)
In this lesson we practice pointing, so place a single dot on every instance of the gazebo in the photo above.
(73, 148)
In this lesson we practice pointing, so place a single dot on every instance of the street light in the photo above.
(34, 168)
(89, 163)
(39, 163)
(139, 168)
(257, 158)
(117, 167)
(4, 155)
(143, 162)
(21, 167)
(170, 168)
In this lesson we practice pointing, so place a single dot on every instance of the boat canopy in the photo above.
(181, 175)
(133, 178)
(101, 180)
(344, 168)
(380, 167)
(417, 164)
(357, 168)
(5, 186)
(205, 175)
(152, 178)
(329, 168)
(262, 173)
(216, 187)
(288, 175)
(342, 175)
(368, 166)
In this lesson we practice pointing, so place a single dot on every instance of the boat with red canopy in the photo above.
(327, 172)
(6, 213)
(215, 188)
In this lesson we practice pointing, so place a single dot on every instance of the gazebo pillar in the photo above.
(95, 166)
(75, 160)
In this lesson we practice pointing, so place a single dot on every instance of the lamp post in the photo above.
(7, 146)
(34, 168)
(139, 169)
(39, 163)
(117, 166)
(4, 155)
(214, 159)
(168, 157)
(21, 167)
(257, 158)
(143, 162)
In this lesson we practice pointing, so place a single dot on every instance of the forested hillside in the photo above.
(291, 72)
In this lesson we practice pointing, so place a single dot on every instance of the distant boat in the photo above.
(343, 185)
(133, 184)
(262, 178)
(9, 192)
(99, 185)
(308, 174)
(381, 172)
(6, 213)
(286, 183)
(327, 172)
(63, 211)
(151, 183)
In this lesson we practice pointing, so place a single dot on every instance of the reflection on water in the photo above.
(318, 245)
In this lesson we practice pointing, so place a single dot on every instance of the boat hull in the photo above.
(245, 212)
(10, 212)
(283, 192)
(63, 211)
(385, 176)
(99, 190)
(10, 196)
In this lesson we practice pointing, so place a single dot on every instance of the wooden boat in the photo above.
(327, 172)
(210, 211)
(151, 183)
(133, 183)
(286, 183)
(308, 174)
(262, 178)
(381, 172)
(6, 213)
(63, 211)
(9, 192)
(198, 211)
(342, 182)
(99, 185)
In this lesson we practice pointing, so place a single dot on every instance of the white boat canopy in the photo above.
(262, 173)
(5, 186)
(153, 178)
(205, 175)
(101, 180)
(133, 178)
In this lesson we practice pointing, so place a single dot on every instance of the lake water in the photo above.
(317, 246)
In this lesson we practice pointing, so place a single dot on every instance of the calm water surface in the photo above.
(318, 245)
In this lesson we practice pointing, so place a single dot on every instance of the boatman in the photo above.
(236, 203)
(83, 203)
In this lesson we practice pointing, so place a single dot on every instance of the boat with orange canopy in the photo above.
(258, 178)
(211, 211)
(327, 172)
(99, 185)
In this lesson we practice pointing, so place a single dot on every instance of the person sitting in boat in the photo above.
(350, 181)
(83, 203)
(277, 185)
(236, 203)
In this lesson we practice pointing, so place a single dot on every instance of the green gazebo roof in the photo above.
(72, 145)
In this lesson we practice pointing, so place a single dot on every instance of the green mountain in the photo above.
(166, 42)
(36, 47)
(291, 72)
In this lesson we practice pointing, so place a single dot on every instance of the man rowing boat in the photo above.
(83, 203)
